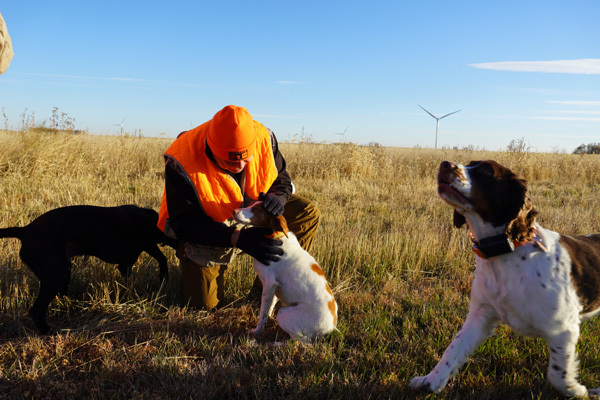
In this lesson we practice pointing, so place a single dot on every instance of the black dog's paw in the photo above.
(40, 321)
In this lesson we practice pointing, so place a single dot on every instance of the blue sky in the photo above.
(516, 69)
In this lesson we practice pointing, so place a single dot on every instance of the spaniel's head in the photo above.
(256, 215)
(490, 191)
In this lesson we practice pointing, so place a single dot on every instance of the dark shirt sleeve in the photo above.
(187, 217)
(282, 186)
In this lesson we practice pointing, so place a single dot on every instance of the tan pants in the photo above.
(203, 287)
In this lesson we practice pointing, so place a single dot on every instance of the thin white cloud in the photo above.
(580, 112)
(582, 66)
(96, 78)
(575, 102)
(274, 116)
(577, 119)
(110, 79)
(542, 91)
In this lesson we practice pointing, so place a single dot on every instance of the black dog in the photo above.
(116, 235)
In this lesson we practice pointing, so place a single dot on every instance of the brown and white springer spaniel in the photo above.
(539, 282)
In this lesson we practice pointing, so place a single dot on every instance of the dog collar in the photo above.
(494, 245)
(277, 235)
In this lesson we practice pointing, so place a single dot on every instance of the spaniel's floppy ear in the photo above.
(523, 226)
(519, 213)
(458, 219)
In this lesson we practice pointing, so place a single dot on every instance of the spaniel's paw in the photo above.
(426, 383)
(256, 331)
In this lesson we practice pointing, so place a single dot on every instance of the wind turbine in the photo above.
(121, 125)
(437, 125)
(343, 134)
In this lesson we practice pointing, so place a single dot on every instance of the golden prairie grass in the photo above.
(400, 272)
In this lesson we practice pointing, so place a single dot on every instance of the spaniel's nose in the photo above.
(447, 165)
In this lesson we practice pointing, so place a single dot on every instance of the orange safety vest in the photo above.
(218, 192)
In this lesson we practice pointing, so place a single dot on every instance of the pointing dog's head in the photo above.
(256, 215)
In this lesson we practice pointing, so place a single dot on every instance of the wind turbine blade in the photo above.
(342, 133)
(450, 114)
(427, 112)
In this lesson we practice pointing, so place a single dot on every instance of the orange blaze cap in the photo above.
(231, 135)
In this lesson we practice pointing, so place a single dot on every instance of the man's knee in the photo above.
(302, 210)
(201, 287)
(303, 217)
(312, 213)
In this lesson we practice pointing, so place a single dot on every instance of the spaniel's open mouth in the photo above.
(447, 192)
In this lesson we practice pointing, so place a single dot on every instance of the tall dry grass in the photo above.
(400, 272)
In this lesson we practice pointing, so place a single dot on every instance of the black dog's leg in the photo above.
(128, 260)
(39, 309)
(53, 272)
(155, 252)
(49, 288)
(125, 269)
(64, 289)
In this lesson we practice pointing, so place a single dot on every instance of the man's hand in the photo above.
(271, 203)
(253, 241)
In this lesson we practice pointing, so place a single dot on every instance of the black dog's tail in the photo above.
(14, 232)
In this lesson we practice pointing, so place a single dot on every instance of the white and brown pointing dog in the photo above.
(309, 309)
(539, 282)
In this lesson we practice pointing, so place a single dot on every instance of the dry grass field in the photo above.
(400, 272)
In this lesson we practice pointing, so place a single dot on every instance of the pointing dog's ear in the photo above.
(278, 224)
(458, 219)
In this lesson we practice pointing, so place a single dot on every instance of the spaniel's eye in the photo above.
(486, 170)
(481, 167)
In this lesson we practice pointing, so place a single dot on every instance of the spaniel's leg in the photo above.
(479, 325)
(563, 365)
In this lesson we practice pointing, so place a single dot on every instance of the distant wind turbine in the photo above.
(437, 125)
(343, 134)
(121, 125)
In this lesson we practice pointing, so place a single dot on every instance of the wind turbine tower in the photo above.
(121, 125)
(437, 122)
(343, 134)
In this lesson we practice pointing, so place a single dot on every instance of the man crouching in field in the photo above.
(210, 171)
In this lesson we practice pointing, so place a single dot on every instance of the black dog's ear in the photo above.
(458, 219)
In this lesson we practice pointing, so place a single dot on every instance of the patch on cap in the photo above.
(238, 155)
